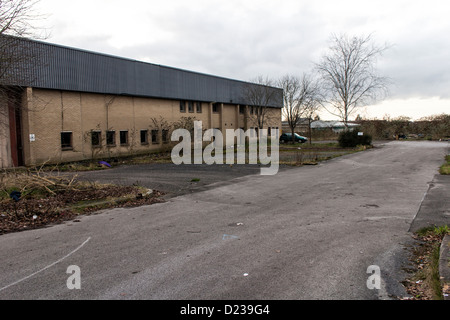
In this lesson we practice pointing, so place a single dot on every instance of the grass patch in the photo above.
(424, 282)
(445, 168)
(313, 154)
(296, 154)
(314, 145)
(89, 165)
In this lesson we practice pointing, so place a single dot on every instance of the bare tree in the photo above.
(300, 99)
(17, 16)
(291, 101)
(311, 106)
(17, 63)
(18, 57)
(261, 95)
(348, 75)
(16, 54)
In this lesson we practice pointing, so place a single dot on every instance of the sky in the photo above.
(248, 38)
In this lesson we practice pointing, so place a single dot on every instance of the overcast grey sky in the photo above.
(246, 38)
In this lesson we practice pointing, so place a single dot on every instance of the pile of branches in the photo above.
(37, 180)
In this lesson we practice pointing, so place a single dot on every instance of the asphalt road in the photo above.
(173, 180)
(305, 233)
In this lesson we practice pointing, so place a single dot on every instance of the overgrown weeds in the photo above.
(424, 282)
(35, 183)
(35, 198)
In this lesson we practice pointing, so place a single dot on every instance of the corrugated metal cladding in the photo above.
(64, 68)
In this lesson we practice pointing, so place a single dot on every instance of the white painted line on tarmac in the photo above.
(47, 267)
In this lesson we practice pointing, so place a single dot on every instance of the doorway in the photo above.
(15, 127)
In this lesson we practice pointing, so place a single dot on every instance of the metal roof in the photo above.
(63, 68)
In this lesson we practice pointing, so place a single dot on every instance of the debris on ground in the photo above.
(33, 200)
(423, 280)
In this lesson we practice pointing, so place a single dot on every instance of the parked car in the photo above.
(287, 137)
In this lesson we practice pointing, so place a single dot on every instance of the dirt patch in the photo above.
(32, 213)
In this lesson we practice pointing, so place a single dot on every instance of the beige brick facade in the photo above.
(73, 126)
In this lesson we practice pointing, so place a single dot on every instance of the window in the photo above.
(182, 106)
(155, 139)
(199, 107)
(123, 138)
(165, 136)
(66, 141)
(110, 138)
(96, 138)
(215, 108)
(191, 106)
(144, 136)
(242, 109)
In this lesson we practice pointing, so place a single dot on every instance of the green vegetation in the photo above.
(435, 127)
(351, 139)
(445, 168)
(430, 274)
(425, 282)
(438, 231)
(441, 231)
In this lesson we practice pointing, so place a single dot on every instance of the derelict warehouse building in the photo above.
(61, 104)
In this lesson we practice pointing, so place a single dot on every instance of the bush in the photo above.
(351, 139)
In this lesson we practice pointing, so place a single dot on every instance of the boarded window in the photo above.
(144, 136)
(66, 141)
(110, 138)
(123, 138)
(182, 106)
(155, 139)
(96, 138)
(165, 136)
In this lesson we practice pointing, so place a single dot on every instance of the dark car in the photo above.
(287, 137)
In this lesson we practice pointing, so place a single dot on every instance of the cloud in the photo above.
(246, 38)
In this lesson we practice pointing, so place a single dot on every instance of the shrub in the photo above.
(351, 139)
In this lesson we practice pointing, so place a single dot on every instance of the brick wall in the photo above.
(49, 113)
